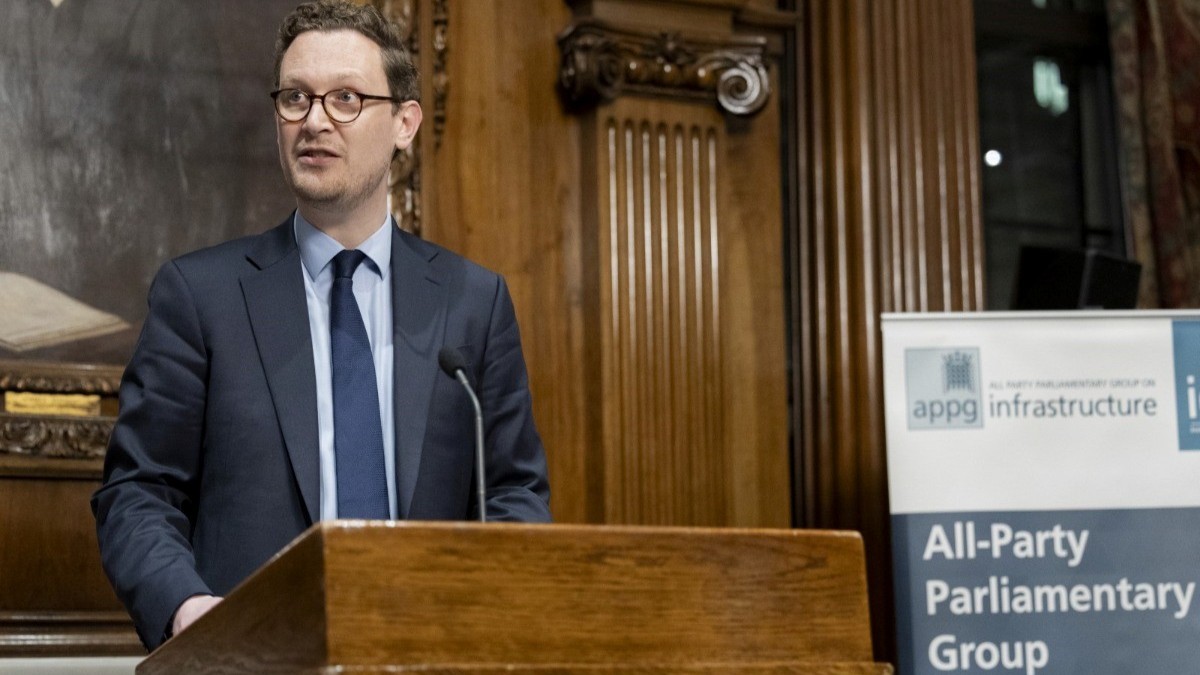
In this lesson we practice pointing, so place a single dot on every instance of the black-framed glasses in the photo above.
(341, 105)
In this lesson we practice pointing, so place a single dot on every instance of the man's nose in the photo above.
(317, 118)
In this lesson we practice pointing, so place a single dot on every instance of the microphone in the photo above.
(454, 365)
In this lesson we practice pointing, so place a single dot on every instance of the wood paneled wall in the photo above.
(641, 237)
(888, 211)
(54, 599)
(503, 187)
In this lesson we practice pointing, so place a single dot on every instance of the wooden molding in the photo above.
(54, 436)
(59, 378)
(602, 61)
(66, 634)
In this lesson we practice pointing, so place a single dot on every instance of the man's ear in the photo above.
(405, 122)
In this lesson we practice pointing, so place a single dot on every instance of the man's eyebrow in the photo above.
(343, 78)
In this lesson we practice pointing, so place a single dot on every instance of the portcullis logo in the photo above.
(943, 389)
(1186, 338)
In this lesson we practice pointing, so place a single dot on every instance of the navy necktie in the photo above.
(357, 431)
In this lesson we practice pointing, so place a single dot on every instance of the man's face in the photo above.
(333, 165)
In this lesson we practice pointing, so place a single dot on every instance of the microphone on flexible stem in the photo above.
(454, 365)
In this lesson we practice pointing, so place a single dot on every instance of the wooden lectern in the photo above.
(376, 597)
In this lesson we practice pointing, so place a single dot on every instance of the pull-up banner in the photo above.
(1044, 471)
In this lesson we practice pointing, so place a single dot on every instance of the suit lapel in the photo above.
(419, 319)
(278, 313)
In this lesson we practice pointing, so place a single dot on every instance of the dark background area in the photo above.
(1053, 178)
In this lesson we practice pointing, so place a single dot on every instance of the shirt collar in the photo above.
(317, 249)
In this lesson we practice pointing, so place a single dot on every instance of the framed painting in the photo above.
(133, 131)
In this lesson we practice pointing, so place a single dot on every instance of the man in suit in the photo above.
(292, 376)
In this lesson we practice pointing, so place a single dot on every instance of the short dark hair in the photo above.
(339, 14)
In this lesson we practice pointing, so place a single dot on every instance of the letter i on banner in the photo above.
(1186, 338)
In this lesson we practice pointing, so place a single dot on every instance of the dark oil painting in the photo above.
(131, 131)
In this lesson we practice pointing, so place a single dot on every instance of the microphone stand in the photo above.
(480, 483)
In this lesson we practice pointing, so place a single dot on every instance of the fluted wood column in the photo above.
(888, 213)
(683, 277)
(658, 246)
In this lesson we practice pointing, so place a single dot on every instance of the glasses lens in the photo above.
(343, 105)
(292, 104)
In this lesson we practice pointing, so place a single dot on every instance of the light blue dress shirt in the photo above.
(373, 291)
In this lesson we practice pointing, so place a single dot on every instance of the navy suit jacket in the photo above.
(213, 464)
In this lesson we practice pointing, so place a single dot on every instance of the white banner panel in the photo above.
(1044, 471)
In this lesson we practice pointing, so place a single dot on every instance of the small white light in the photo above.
(992, 158)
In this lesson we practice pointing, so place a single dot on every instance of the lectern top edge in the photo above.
(343, 525)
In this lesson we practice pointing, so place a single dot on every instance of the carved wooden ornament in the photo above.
(601, 62)
(54, 437)
(404, 181)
